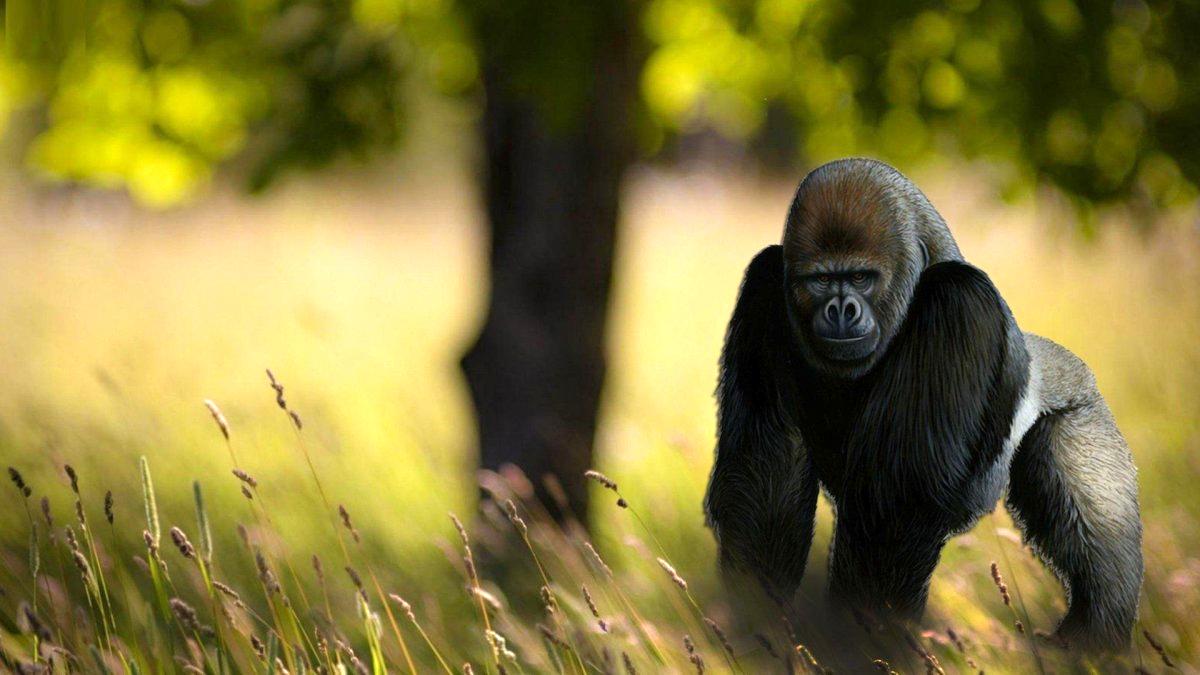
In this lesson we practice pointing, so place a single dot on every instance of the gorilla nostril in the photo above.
(831, 312)
(850, 310)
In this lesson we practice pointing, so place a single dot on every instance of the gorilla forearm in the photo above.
(762, 495)
(763, 520)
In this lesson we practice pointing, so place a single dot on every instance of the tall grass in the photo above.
(362, 300)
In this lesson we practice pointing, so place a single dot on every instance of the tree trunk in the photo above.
(537, 369)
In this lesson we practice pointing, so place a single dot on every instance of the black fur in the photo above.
(910, 453)
(922, 461)
(765, 495)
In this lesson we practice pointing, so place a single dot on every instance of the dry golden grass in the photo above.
(360, 297)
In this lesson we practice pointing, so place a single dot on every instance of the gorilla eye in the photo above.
(858, 277)
(824, 278)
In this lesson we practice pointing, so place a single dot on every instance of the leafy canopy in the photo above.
(153, 95)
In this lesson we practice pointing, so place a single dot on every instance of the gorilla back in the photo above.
(865, 357)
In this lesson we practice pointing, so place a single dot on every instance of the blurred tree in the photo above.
(559, 85)
(1100, 100)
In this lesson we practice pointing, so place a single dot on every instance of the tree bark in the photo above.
(536, 370)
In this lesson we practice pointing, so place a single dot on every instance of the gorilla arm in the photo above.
(927, 456)
(1073, 491)
(762, 492)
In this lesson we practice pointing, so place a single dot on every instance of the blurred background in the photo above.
(481, 233)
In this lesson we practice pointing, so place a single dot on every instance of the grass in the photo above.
(333, 547)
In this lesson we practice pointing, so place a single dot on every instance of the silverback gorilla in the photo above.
(867, 359)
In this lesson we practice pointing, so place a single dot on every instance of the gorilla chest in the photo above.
(895, 473)
(827, 418)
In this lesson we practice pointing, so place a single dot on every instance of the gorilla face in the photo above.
(852, 258)
(838, 305)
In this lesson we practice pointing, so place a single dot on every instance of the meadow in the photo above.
(359, 293)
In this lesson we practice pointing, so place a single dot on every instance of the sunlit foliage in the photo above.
(152, 96)
(1092, 97)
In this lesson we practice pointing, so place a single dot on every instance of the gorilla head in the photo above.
(858, 236)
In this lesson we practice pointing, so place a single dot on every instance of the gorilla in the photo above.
(866, 359)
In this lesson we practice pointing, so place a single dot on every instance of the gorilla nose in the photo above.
(844, 315)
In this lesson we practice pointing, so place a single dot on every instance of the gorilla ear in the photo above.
(940, 402)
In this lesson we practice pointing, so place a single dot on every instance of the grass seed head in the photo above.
(595, 555)
(353, 574)
(1000, 585)
(591, 603)
(186, 615)
(345, 516)
(181, 542)
(548, 599)
(724, 639)
(279, 399)
(151, 545)
(462, 531)
(19, 481)
(218, 417)
(265, 575)
(227, 590)
(500, 644)
(79, 514)
(35, 624)
(404, 606)
(629, 669)
(108, 507)
(73, 477)
(693, 655)
(149, 501)
(260, 649)
(511, 509)
(600, 478)
(85, 570)
(245, 478)
(491, 600)
(678, 580)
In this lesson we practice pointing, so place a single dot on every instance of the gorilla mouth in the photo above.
(848, 349)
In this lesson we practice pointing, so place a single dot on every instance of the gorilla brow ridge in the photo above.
(845, 206)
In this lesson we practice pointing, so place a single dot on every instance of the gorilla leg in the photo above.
(884, 573)
(1073, 491)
